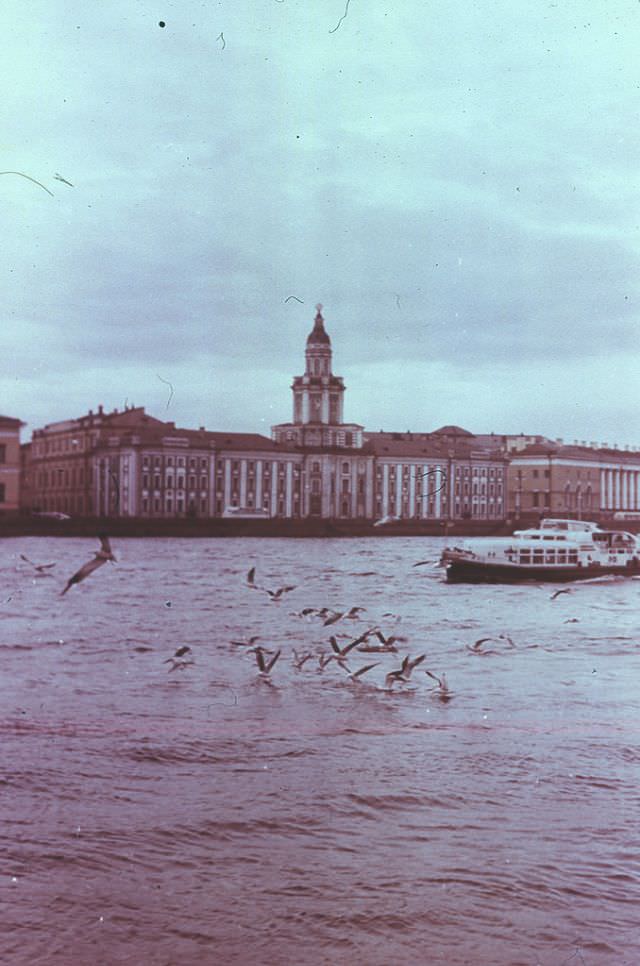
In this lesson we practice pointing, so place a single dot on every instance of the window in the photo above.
(3, 496)
(3, 453)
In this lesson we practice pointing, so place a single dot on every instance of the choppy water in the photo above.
(203, 816)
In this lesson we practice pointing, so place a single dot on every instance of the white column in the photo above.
(288, 504)
(412, 490)
(426, 480)
(274, 488)
(439, 492)
(603, 489)
(617, 497)
(258, 502)
(226, 500)
(212, 485)
(398, 509)
(243, 482)
(385, 489)
(370, 487)
(354, 487)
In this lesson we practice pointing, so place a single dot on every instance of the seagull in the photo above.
(277, 594)
(59, 177)
(41, 568)
(299, 662)
(443, 688)
(565, 590)
(178, 665)
(179, 653)
(334, 617)
(340, 653)
(394, 677)
(252, 640)
(265, 666)
(356, 675)
(251, 578)
(408, 665)
(102, 555)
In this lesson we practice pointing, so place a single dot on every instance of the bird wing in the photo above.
(272, 661)
(332, 620)
(42, 567)
(417, 660)
(350, 647)
(435, 677)
(335, 645)
(421, 563)
(105, 546)
(260, 659)
(481, 641)
(26, 559)
(59, 177)
(251, 575)
(363, 670)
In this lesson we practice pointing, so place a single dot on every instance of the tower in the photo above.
(318, 394)
(318, 398)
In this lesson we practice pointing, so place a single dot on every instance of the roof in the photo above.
(11, 423)
(426, 446)
(557, 450)
(318, 334)
(451, 431)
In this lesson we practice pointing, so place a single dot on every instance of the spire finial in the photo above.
(319, 308)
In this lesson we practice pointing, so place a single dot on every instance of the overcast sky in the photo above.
(458, 184)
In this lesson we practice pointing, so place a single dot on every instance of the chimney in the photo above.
(100, 410)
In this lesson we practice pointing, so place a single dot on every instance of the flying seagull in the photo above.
(356, 675)
(252, 640)
(443, 688)
(102, 555)
(299, 662)
(565, 590)
(265, 666)
(41, 568)
(179, 653)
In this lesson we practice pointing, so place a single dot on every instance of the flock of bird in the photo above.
(370, 641)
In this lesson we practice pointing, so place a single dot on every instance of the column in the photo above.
(226, 497)
(274, 488)
(412, 490)
(440, 494)
(288, 500)
(385, 489)
(259, 483)
(243, 482)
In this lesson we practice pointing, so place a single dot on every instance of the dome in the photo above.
(318, 336)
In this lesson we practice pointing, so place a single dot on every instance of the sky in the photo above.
(457, 183)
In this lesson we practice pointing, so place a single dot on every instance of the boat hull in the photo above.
(478, 572)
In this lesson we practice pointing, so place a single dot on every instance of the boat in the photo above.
(557, 550)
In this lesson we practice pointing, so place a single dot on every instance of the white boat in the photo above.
(558, 550)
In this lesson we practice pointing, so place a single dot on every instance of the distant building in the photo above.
(558, 480)
(130, 464)
(10, 463)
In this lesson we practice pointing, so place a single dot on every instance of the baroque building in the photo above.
(130, 464)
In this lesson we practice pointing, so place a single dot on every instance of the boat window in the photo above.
(525, 557)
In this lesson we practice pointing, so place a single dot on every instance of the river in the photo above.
(205, 815)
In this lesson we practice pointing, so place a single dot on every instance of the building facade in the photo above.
(130, 464)
(576, 481)
(10, 464)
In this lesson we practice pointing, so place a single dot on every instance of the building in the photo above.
(573, 480)
(130, 464)
(10, 464)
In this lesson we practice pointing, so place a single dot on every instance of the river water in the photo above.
(206, 816)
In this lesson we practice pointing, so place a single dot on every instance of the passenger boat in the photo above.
(558, 550)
